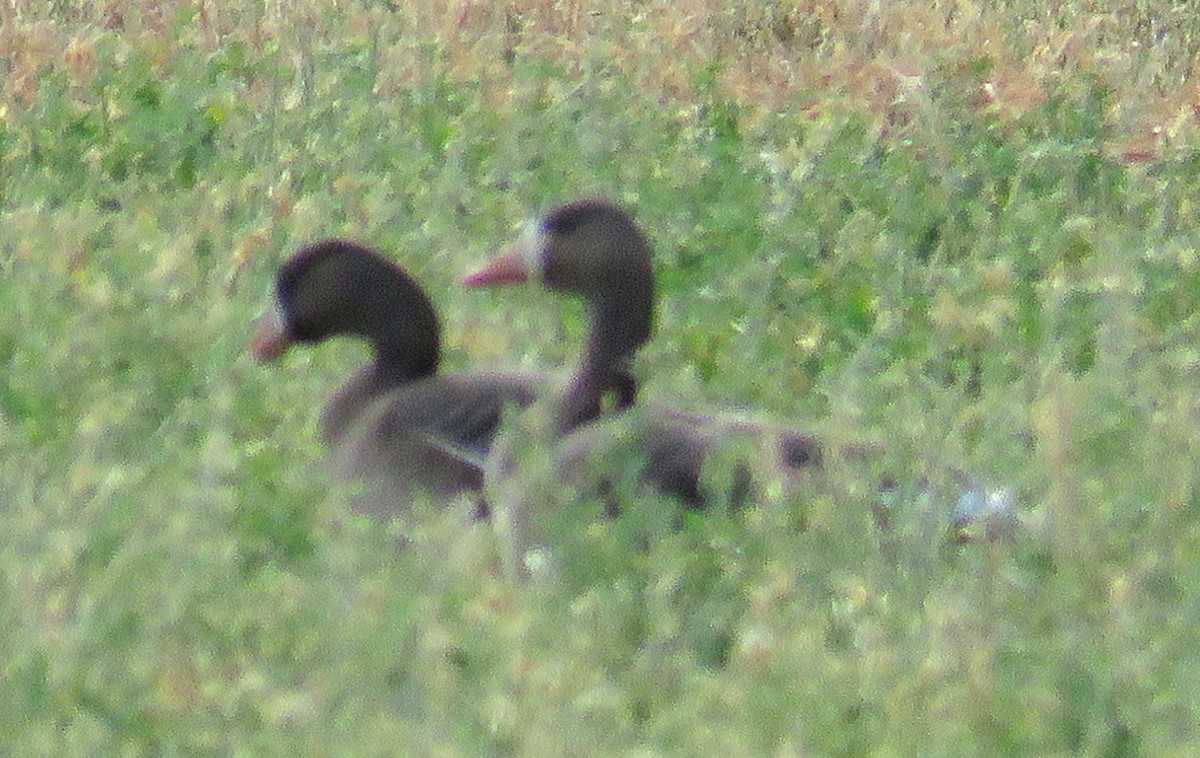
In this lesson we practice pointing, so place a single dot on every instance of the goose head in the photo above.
(341, 288)
(591, 249)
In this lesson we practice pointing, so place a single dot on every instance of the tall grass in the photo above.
(964, 229)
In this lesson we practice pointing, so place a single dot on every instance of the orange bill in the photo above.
(508, 268)
(271, 338)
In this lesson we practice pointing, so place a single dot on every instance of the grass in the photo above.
(966, 229)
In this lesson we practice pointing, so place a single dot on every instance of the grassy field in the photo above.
(966, 229)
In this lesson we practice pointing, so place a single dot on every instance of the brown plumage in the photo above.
(593, 249)
(397, 427)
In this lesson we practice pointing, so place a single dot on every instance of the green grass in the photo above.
(987, 285)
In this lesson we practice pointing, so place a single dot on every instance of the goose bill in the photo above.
(270, 338)
(510, 268)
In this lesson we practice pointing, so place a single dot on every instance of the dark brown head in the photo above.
(593, 249)
(336, 287)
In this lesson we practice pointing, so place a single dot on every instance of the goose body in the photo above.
(430, 438)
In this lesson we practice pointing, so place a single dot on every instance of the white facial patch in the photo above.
(531, 245)
(280, 315)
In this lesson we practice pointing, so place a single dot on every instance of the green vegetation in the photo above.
(968, 232)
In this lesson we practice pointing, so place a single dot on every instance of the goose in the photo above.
(594, 249)
(397, 426)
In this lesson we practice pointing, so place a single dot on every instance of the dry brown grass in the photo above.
(874, 58)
